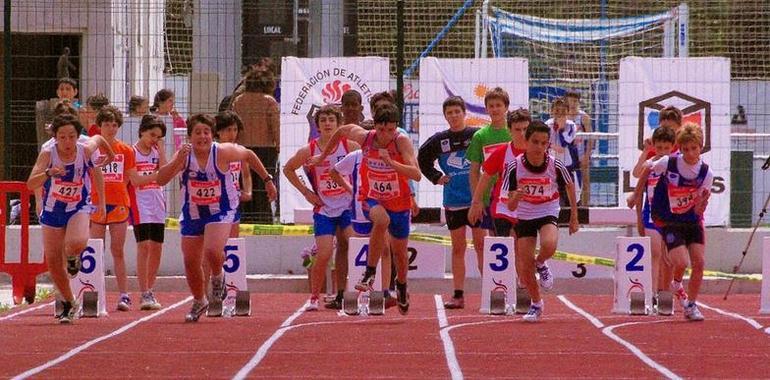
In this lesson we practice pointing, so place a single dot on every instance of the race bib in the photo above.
(681, 199)
(66, 191)
(383, 186)
(145, 169)
(235, 174)
(491, 148)
(536, 190)
(205, 192)
(652, 181)
(113, 172)
(328, 187)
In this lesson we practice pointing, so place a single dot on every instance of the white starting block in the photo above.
(498, 280)
(764, 307)
(238, 299)
(358, 254)
(88, 284)
(633, 276)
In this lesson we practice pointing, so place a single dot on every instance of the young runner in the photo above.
(535, 181)
(449, 147)
(63, 171)
(331, 212)
(680, 199)
(387, 165)
(209, 202)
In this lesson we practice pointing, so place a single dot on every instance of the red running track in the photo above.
(323, 344)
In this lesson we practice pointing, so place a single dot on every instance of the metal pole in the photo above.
(400, 57)
(8, 62)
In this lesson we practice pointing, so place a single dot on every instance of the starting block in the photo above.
(633, 277)
(499, 275)
(523, 301)
(88, 285)
(238, 299)
(665, 303)
(497, 304)
(353, 300)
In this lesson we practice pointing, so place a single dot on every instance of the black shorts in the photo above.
(679, 234)
(503, 227)
(530, 228)
(149, 231)
(459, 218)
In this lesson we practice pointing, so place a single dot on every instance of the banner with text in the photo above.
(306, 85)
(470, 79)
(700, 87)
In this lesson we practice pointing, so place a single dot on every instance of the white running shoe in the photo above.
(546, 278)
(679, 292)
(692, 313)
(312, 304)
(534, 314)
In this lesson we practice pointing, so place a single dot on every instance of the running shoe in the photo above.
(403, 302)
(366, 283)
(546, 278)
(69, 312)
(312, 304)
(197, 309)
(335, 304)
(149, 302)
(124, 304)
(455, 303)
(692, 313)
(534, 313)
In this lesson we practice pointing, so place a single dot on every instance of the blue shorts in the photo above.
(399, 220)
(362, 228)
(60, 219)
(195, 227)
(324, 225)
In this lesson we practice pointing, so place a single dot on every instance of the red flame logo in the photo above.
(332, 92)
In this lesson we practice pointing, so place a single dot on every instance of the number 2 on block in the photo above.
(633, 265)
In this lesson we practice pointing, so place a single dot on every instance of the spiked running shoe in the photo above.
(692, 313)
(218, 290)
(124, 304)
(455, 303)
(198, 308)
(534, 314)
(366, 283)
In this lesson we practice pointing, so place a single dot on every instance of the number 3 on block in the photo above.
(501, 258)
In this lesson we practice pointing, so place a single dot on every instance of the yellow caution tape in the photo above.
(304, 230)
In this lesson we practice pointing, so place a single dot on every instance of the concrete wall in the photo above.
(281, 255)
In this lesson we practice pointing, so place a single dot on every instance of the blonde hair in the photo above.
(690, 132)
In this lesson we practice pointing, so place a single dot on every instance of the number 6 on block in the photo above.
(498, 271)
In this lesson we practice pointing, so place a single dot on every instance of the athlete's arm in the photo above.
(96, 142)
(351, 131)
(168, 171)
(290, 171)
(248, 185)
(39, 173)
(409, 167)
(337, 177)
(477, 208)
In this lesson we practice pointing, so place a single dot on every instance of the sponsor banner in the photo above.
(307, 84)
(470, 79)
(700, 87)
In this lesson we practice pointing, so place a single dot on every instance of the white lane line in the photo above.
(262, 351)
(608, 332)
(78, 349)
(753, 323)
(25, 311)
(595, 321)
(446, 339)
